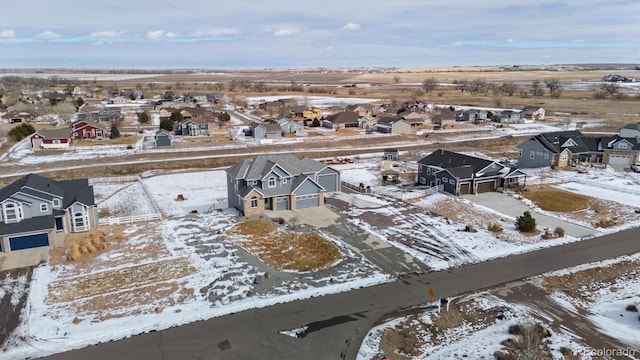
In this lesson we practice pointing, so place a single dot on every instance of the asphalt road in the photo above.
(337, 324)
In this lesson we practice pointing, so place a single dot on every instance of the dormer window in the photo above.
(272, 182)
(12, 212)
(56, 203)
(622, 145)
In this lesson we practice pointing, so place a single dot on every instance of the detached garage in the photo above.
(28, 241)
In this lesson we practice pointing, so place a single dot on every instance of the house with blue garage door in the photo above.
(36, 213)
(279, 182)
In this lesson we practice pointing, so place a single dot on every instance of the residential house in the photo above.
(36, 213)
(508, 117)
(88, 130)
(312, 113)
(289, 126)
(163, 138)
(192, 127)
(166, 112)
(120, 100)
(196, 113)
(473, 116)
(630, 131)
(279, 182)
(361, 109)
(446, 118)
(109, 114)
(342, 120)
(620, 151)
(393, 125)
(532, 113)
(264, 130)
(558, 149)
(460, 174)
(15, 117)
(59, 138)
(390, 154)
(197, 97)
(297, 111)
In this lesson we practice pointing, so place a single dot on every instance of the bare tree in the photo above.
(396, 79)
(232, 85)
(429, 84)
(610, 88)
(477, 85)
(554, 86)
(536, 88)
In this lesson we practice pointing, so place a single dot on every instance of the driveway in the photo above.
(513, 207)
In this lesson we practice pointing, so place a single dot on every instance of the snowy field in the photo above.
(318, 101)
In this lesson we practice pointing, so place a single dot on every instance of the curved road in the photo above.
(337, 324)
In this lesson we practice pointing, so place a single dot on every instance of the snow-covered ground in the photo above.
(318, 101)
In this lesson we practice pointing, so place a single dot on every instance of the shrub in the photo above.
(565, 351)
(21, 131)
(85, 243)
(501, 355)
(547, 234)
(632, 308)
(494, 227)
(516, 329)
(526, 222)
(469, 228)
(558, 231)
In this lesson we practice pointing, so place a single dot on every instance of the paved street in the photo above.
(336, 324)
(511, 206)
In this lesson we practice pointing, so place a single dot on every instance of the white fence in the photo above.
(398, 194)
(129, 219)
(113, 180)
(600, 185)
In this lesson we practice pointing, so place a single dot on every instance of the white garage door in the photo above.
(619, 159)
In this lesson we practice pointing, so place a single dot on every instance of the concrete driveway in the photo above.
(510, 206)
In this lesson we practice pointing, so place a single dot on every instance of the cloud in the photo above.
(6, 34)
(48, 35)
(161, 34)
(216, 32)
(285, 32)
(458, 43)
(351, 26)
(106, 34)
(509, 40)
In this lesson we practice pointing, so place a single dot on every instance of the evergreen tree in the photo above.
(526, 222)
(166, 124)
(115, 132)
(21, 131)
(176, 116)
(143, 117)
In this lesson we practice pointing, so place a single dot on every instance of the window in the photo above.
(56, 203)
(59, 225)
(272, 182)
(546, 155)
(444, 179)
(428, 171)
(622, 146)
(254, 202)
(284, 181)
(56, 141)
(12, 212)
(80, 221)
(563, 157)
(532, 155)
(44, 207)
(519, 152)
(423, 180)
(254, 182)
(452, 182)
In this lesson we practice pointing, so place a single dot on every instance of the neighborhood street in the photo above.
(333, 326)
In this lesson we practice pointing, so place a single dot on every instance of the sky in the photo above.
(281, 34)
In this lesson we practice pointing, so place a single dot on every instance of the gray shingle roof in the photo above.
(70, 190)
(257, 167)
(635, 126)
(449, 160)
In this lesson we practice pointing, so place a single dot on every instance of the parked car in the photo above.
(635, 167)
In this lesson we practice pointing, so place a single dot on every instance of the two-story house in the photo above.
(279, 182)
(264, 130)
(192, 127)
(508, 117)
(532, 113)
(88, 130)
(558, 149)
(630, 131)
(475, 116)
(35, 215)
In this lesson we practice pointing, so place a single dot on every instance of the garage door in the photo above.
(282, 203)
(329, 182)
(307, 201)
(28, 241)
(485, 187)
(619, 159)
(464, 188)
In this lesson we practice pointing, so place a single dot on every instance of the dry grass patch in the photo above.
(556, 200)
(123, 140)
(285, 250)
(79, 244)
(582, 284)
(110, 281)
